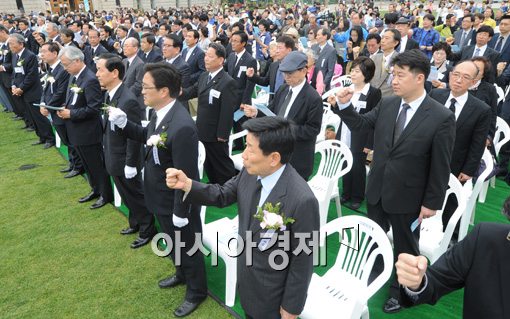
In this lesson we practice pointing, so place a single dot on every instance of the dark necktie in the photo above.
(127, 65)
(237, 60)
(464, 33)
(452, 105)
(401, 122)
(209, 78)
(256, 198)
(498, 45)
(285, 104)
(107, 100)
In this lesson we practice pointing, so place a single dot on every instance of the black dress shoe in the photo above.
(355, 206)
(24, 127)
(30, 129)
(392, 306)
(66, 170)
(89, 197)
(48, 145)
(72, 174)
(186, 308)
(170, 282)
(99, 203)
(344, 199)
(140, 242)
(37, 143)
(17, 118)
(129, 231)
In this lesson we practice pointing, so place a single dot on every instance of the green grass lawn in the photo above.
(59, 259)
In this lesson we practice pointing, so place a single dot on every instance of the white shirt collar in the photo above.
(21, 52)
(54, 65)
(459, 104)
(213, 74)
(268, 183)
(171, 61)
(365, 89)
(112, 92)
(79, 73)
(240, 54)
(163, 112)
(416, 103)
(132, 58)
(482, 49)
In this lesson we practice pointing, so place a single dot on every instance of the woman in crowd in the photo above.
(440, 53)
(365, 98)
(354, 46)
(203, 42)
(484, 90)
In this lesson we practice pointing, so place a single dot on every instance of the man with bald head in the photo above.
(133, 65)
(473, 118)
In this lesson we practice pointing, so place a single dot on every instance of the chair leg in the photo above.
(338, 206)
(493, 182)
(230, 281)
(483, 192)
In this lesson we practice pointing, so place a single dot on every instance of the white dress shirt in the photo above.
(459, 104)
(160, 114)
(295, 93)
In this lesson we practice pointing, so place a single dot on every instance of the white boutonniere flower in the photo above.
(76, 89)
(20, 62)
(157, 140)
(270, 217)
(50, 79)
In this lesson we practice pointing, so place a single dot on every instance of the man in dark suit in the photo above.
(149, 52)
(30, 42)
(27, 89)
(6, 69)
(478, 264)
(267, 178)
(214, 114)
(194, 56)
(134, 68)
(413, 141)
(483, 36)
(406, 43)
(83, 124)
(122, 155)
(326, 59)
(472, 126)
(176, 146)
(500, 41)
(299, 102)
(237, 64)
(172, 46)
(54, 94)
(93, 51)
(274, 77)
(53, 33)
(464, 34)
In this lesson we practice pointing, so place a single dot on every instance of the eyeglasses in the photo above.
(144, 87)
(464, 77)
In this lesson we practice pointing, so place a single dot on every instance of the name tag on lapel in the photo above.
(214, 94)
(19, 69)
(75, 98)
(322, 63)
(361, 105)
(241, 70)
(267, 239)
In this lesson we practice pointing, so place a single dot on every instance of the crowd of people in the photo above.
(132, 94)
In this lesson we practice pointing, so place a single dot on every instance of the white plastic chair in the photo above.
(201, 159)
(117, 200)
(58, 141)
(501, 137)
(501, 93)
(343, 291)
(469, 216)
(328, 118)
(220, 232)
(336, 161)
(236, 158)
(344, 81)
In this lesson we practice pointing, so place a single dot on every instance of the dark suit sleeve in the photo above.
(300, 266)
(135, 132)
(185, 76)
(31, 77)
(449, 272)
(477, 146)
(190, 92)
(214, 194)
(201, 66)
(226, 112)
(261, 80)
(134, 114)
(504, 79)
(331, 61)
(249, 84)
(312, 126)
(137, 86)
(93, 98)
(440, 157)
(359, 122)
(373, 100)
(60, 90)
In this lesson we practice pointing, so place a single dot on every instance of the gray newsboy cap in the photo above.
(293, 61)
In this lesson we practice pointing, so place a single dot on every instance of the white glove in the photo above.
(179, 222)
(130, 172)
(117, 117)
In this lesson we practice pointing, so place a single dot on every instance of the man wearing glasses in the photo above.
(133, 65)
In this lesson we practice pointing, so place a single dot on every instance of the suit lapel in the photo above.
(466, 112)
(162, 127)
(298, 102)
(215, 80)
(417, 119)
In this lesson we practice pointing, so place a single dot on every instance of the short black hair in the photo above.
(149, 37)
(506, 16)
(288, 41)
(274, 134)
(94, 30)
(177, 41)
(375, 36)
(486, 28)
(67, 32)
(396, 35)
(113, 62)
(188, 27)
(205, 31)
(3, 29)
(366, 66)
(327, 32)
(165, 75)
(487, 66)
(242, 35)
(429, 17)
(52, 47)
(469, 16)
(415, 60)
(442, 46)
(263, 23)
(239, 25)
(219, 50)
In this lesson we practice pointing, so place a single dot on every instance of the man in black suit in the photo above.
(299, 102)
(236, 65)
(54, 94)
(464, 34)
(172, 47)
(274, 77)
(83, 124)
(500, 41)
(214, 114)
(173, 140)
(413, 141)
(194, 56)
(122, 155)
(53, 32)
(406, 43)
(27, 89)
(134, 68)
(93, 51)
(267, 178)
(30, 42)
(326, 59)
(6, 69)
(149, 52)
(483, 36)
(472, 126)
(478, 264)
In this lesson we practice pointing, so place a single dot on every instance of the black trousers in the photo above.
(192, 268)
(19, 109)
(93, 162)
(404, 241)
(218, 165)
(42, 124)
(355, 180)
(74, 160)
(131, 192)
